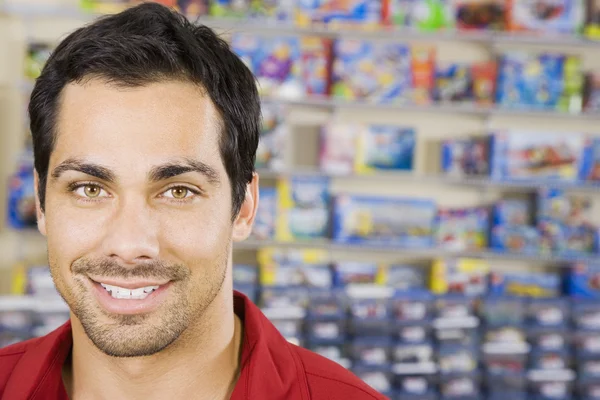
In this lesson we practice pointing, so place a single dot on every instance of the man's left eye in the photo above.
(179, 193)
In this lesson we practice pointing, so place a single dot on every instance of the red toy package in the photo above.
(480, 14)
(316, 65)
(484, 82)
(423, 71)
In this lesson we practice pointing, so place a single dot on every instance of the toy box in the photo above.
(586, 315)
(405, 278)
(284, 298)
(413, 332)
(533, 156)
(370, 317)
(413, 353)
(273, 137)
(371, 350)
(485, 76)
(193, 8)
(546, 16)
(245, 274)
(357, 273)
(592, 27)
(462, 229)
(573, 80)
(229, 8)
(453, 83)
(480, 15)
(466, 157)
(423, 15)
(592, 96)
(556, 205)
(505, 362)
(423, 74)
(384, 147)
(108, 6)
(338, 147)
(525, 284)
(583, 281)
(37, 55)
(21, 197)
(353, 13)
(306, 268)
(549, 360)
(383, 221)
(590, 169)
(328, 331)
(416, 382)
(303, 204)
(17, 315)
(272, 10)
(316, 64)
(515, 239)
(567, 240)
(460, 276)
(457, 359)
(512, 212)
(378, 377)
(503, 311)
(379, 72)
(548, 313)
(460, 386)
(326, 305)
(530, 81)
(411, 307)
(549, 338)
(266, 214)
(586, 344)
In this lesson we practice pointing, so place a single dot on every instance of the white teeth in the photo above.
(129, 294)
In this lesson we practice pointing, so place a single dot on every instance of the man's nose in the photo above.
(132, 236)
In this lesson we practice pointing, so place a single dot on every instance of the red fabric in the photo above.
(272, 368)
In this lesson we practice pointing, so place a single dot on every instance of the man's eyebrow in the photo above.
(74, 164)
(173, 169)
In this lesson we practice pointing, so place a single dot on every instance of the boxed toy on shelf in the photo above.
(423, 74)
(462, 276)
(480, 15)
(592, 27)
(303, 206)
(535, 156)
(274, 135)
(546, 16)
(462, 229)
(383, 221)
(590, 169)
(265, 221)
(485, 76)
(35, 59)
(21, 199)
(466, 157)
(279, 10)
(338, 146)
(335, 14)
(525, 284)
(592, 97)
(193, 8)
(422, 15)
(348, 273)
(385, 147)
(373, 71)
(583, 281)
(453, 83)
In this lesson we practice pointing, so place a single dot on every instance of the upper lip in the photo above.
(129, 284)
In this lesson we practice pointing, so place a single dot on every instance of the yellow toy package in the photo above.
(468, 276)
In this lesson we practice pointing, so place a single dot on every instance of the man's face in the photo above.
(138, 212)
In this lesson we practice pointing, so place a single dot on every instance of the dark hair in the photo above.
(147, 44)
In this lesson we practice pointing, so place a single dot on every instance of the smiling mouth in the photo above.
(120, 293)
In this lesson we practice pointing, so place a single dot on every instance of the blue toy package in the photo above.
(270, 153)
(530, 81)
(546, 16)
(525, 284)
(279, 268)
(454, 306)
(558, 206)
(503, 311)
(466, 157)
(356, 273)
(548, 313)
(502, 362)
(512, 212)
(590, 165)
(378, 72)
(549, 359)
(529, 156)
(245, 274)
(548, 338)
(412, 306)
(586, 315)
(586, 344)
(419, 353)
(462, 229)
(415, 381)
(454, 359)
(453, 83)
(21, 196)
(338, 14)
(371, 351)
(326, 332)
(266, 214)
(413, 333)
(383, 221)
(370, 317)
(283, 297)
(583, 281)
(385, 147)
(303, 204)
(405, 277)
(515, 239)
(327, 305)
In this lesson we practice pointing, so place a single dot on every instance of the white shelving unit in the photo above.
(26, 21)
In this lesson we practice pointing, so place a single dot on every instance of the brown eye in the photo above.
(179, 193)
(92, 191)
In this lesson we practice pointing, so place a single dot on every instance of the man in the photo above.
(145, 130)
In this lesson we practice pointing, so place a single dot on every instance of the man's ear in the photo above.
(242, 226)
(41, 217)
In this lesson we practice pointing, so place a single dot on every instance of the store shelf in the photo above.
(279, 28)
(445, 108)
(428, 253)
(387, 177)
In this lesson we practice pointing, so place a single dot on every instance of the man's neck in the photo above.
(203, 364)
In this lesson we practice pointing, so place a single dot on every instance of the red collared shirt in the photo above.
(272, 368)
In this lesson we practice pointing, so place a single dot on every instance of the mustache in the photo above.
(148, 270)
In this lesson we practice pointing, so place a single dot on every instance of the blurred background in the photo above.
(430, 178)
